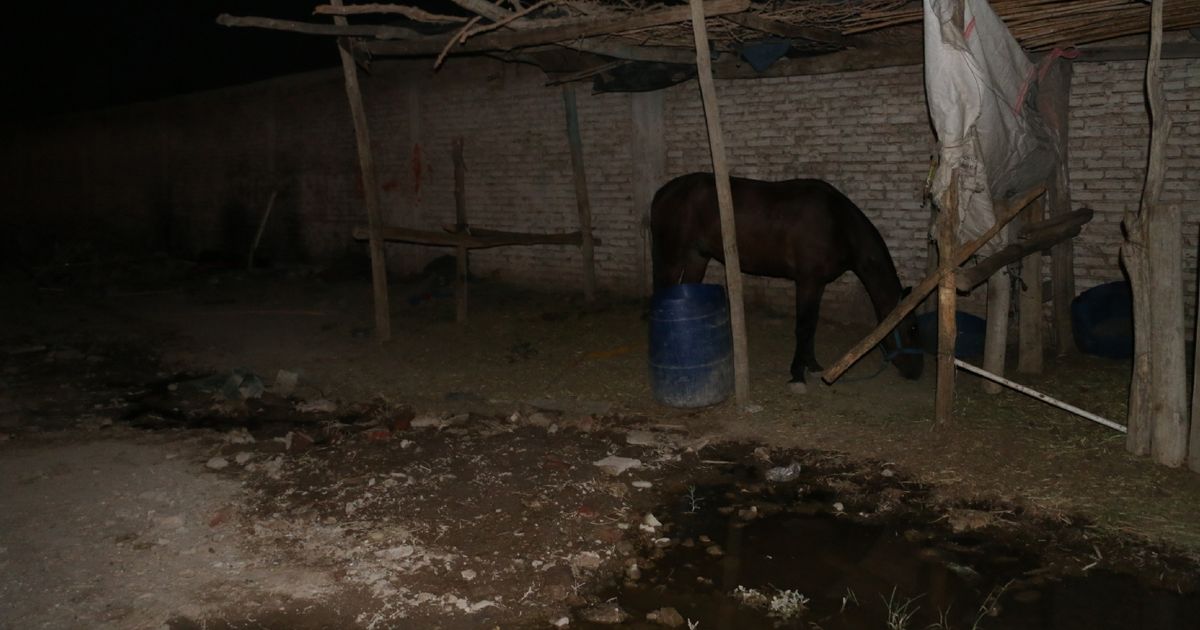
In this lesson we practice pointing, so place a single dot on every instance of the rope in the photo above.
(887, 358)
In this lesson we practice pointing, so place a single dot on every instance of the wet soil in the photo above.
(448, 479)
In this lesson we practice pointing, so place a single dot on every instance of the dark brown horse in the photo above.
(804, 230)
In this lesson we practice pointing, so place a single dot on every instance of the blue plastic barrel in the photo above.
(968, 343)
(1102, 320)
(691, 346)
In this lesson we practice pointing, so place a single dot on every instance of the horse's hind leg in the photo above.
(808, 306)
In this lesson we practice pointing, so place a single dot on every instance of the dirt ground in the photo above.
(157, 469)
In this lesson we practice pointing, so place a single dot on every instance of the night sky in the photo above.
(69, 57)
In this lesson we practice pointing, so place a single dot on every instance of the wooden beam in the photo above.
(338, 29)
(841, 61)
(366, 163)
(460, 226)
(527, 34)
(784, 29)
(1044, 235)
(476, 238)
(411, 13)
(584, 205)
(733, 266)
(1178, 50)
(943, 408)
(1007, 210)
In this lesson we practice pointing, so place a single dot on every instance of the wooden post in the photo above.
(648, 151)
(366, 163)
(947, 306)
(1058, 193)
(461, 225)
(733, 266)
(587, 249)
(1029, 356)
(995, 348)
(1151, 253)
(1194, 439)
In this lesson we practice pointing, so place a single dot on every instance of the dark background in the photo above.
(66, 57)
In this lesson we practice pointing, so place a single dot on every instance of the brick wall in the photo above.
(192, 174)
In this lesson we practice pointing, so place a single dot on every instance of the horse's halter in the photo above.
(900, 349)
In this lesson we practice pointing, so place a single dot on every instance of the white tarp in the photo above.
(982, 94)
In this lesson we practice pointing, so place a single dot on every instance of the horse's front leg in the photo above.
(808, 306)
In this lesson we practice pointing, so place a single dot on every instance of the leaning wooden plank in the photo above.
(1075, 217)
(308, 28)
(366, 162)
(785, 29)
(1043, 238)
(527, 35)
(733, 267)
(961, 254)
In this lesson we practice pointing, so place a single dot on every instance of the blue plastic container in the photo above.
(1102, 321)
(972, 331)
(691, 346)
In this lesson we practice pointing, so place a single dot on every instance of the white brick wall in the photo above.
(213, 159)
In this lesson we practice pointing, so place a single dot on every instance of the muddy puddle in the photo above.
(794, 557)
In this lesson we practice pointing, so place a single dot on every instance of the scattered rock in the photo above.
(633, 572)
(650, 521)
(615, 465)
(561, 622)
(784, 474)
(641, 438)
(966, 520)
(217, 463)
(715, 550)
(468, 574)
(585, 561)
(320, 405)
(608, 613)
(643, 484)
(243, 457)
(239, 436)
(285, 382)
(668, 617)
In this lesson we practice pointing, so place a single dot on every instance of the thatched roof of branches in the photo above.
(578, 39)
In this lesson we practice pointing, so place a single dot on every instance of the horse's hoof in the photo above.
(798, 388)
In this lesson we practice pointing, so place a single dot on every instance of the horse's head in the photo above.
(903, 345)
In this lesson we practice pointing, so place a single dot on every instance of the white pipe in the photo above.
(1038, 395)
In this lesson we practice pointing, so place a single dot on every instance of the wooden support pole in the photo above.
(733, 266)
(366, 163)
(1194, 437)
(961, 254)
(1029, 354)
(460, 226)
(947, 306)
(995, 344)
(587, 249)
(1058, 200)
